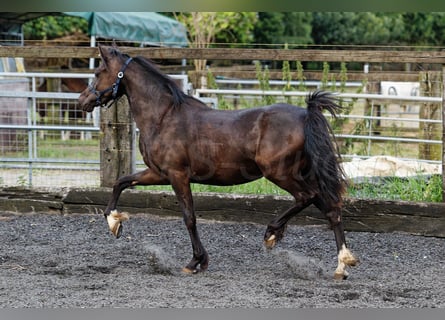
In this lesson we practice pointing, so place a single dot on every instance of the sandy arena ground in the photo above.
(73, 261)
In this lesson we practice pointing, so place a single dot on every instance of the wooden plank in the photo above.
(22, 200)
(359, 215)
(234, 54)
(318, 75)
(425, 219)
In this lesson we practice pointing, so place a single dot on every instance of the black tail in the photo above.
(321, 148)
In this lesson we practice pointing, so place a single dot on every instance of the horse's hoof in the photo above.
(270, 242)
(114, 220)
(352, 261)
(340, 276)
(189, 271)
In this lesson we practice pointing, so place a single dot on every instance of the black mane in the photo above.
(164, 81)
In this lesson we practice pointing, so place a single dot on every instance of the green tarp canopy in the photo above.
(146, 27)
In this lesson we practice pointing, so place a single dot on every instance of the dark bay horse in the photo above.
(183, 141)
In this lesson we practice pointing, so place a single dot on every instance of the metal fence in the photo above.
(45, 141)
(393, 122)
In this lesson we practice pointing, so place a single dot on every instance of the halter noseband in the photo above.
(114, 87)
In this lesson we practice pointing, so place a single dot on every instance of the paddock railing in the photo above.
(45, 139)
(55, 148)
(372, 99)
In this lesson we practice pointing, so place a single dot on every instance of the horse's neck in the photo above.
(148, 110)
(151, 105)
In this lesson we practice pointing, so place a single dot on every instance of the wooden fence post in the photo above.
(443, 132)
(117, 154)
(430, 86)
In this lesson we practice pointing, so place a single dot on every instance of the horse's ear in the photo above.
(103, 52)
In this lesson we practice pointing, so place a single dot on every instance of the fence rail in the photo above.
(373, 98)
(33, 161)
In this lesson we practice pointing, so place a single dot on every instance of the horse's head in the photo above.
(106, 85)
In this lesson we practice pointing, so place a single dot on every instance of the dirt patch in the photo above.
(73, 261)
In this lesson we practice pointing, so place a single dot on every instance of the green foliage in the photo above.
(22, 181)
(238, 28)
(219, 27)
(301, 78)
(50, 27)
(287, 78)
(283, 27)
(211, 81)
(325, 76)
(376, 28)
(297, 28)
(269, 27)
(294, 28)
(407, 189)
(422, 28)
(211, 84)
(395, 188)
(357, 28)
(263, 76)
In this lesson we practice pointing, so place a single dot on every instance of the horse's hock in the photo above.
(426, 219)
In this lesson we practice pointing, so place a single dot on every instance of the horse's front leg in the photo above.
(115, 218)
(181, 185)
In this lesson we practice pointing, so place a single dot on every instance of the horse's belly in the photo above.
(226, 173)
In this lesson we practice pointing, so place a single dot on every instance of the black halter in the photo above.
(114, 87)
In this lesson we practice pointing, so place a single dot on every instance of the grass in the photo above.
(409, 189)
(55, 148)
(261, 186)
(418, 189)
(69, 149)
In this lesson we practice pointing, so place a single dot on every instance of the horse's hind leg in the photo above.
(146, 177)
(278, 173)
(345, 257)
(275, 229)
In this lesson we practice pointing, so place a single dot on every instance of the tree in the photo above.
(51, 27)
(283, 27)
(297, 28)
(269, 28)
(205, 27)
(424, 28)
(357, 28)
(238, 28)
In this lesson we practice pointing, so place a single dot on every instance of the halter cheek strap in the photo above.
(120, 75)
(114, 87)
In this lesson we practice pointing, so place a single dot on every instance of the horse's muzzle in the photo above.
(86, 103)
